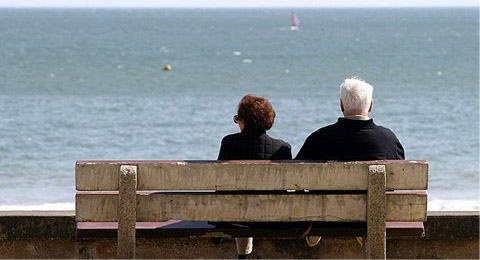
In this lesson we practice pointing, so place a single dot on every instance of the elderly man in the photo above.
(354, 136)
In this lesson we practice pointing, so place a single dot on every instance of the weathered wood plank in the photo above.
(96, 176)
(93, 206)
(401, 176)
(415, 208)
(101, 206)
(250, 175)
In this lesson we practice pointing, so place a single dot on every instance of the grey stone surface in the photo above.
(37, 225)
(191, 248)
(375, 247)
(51, 235)
(127, 213)
(452, 225)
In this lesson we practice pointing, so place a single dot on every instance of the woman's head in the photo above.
(255, 113)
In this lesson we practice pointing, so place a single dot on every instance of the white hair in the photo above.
(356, 94)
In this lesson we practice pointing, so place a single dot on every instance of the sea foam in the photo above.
(453, 205)
(46, 206)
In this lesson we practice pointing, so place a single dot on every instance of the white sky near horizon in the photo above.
(242, 3)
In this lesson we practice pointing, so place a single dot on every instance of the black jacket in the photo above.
(352, 140)
(253, 146)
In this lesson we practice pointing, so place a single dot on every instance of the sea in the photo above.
(88, 84)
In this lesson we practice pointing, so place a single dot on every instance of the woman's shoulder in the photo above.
(231, 137)
(285, 143)
(280, 149)
(278, 141)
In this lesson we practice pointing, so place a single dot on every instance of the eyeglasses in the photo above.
(236, 118)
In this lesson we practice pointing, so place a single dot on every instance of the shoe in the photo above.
(312, 240)
(360, 240)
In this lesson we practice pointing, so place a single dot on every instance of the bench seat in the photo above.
(182, 228)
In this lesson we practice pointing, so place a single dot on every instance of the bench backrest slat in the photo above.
(98, 206)
(250, 175)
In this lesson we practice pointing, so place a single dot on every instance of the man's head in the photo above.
(356, 97)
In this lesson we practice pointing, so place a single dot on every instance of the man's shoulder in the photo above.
(385, 131)
(324, 131)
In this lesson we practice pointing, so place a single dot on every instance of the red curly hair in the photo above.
(256, 112)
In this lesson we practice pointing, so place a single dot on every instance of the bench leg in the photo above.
(127, 213)
(376, 243)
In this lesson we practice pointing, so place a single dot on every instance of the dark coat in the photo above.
(254, 146)
(352, 140)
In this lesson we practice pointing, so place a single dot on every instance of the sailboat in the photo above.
(295, 23)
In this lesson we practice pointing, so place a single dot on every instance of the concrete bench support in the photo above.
(127, 213)
(376, 245)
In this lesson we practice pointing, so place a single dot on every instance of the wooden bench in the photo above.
(370, 198)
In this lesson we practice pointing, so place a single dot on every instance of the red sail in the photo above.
(293, 17)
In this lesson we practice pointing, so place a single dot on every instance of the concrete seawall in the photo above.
(37, 234)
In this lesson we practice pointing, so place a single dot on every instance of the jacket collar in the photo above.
(253, 132)
(347, 121)
(358, 117)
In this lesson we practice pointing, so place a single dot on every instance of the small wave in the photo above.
(45, 206)
(453, 205)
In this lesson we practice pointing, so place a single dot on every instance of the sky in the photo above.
(237, 3)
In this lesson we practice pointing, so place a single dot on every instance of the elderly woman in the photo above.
(254, 117)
